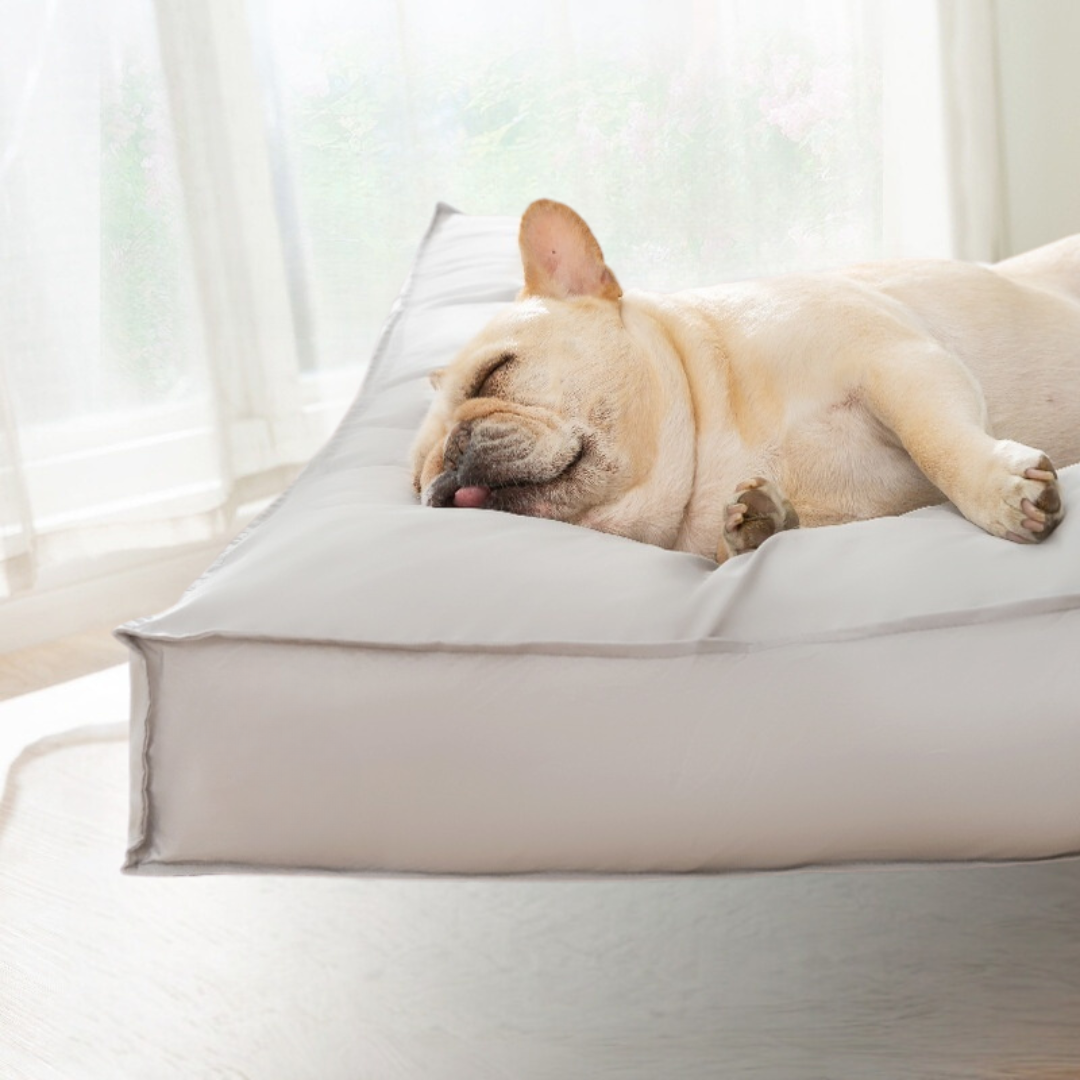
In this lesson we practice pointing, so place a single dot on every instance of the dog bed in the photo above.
(361, 683)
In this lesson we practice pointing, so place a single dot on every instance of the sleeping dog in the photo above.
(707, 420)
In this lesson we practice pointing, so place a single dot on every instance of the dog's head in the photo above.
(570, 405)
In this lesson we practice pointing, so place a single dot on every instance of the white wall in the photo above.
(1039, 63)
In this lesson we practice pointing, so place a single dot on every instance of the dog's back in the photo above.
(1055, 267)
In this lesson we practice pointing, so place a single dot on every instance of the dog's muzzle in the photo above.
(482, 459)
(447, 490)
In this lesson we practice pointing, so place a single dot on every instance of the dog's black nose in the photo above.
(457, 442)
(447, 490)
(443, 489)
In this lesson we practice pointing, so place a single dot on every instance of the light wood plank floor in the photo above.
(69, 658)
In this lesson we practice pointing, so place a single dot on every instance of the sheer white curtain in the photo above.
(207, 207)
(944, 182)
(151, 392)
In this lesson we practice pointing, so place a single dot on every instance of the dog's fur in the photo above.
(706, 420)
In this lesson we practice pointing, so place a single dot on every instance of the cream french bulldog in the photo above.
(707, 420)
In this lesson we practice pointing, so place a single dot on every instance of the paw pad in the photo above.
(1040, 509)
(759, 511)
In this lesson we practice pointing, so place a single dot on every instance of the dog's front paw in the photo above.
(1027, 507)
(759, 510)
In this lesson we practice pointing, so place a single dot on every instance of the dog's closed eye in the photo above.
(487, 382)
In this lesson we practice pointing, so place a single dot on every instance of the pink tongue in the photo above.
(471, 496)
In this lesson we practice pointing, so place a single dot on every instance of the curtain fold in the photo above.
(16, 522)
(230, 217)
(973, 122)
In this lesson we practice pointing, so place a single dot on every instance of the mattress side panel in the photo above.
(143, 672)
(930, 746)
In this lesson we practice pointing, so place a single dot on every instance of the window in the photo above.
(702, 141)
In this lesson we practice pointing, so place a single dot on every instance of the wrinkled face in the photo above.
(571, 405)
(549, 412)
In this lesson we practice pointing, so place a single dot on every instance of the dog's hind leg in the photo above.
(934, 406)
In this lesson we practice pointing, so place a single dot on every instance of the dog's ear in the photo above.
(560, 255)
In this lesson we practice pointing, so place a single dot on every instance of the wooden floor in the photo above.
(69, 658)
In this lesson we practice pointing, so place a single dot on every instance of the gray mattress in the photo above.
(361, 683)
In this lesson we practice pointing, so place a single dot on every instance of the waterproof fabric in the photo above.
(362, 683)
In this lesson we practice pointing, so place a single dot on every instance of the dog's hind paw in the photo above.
(759, 510)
